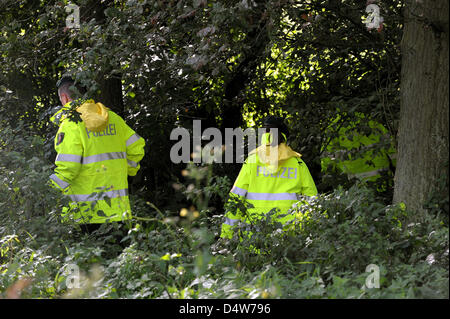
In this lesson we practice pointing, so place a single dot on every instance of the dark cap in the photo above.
(276, 122)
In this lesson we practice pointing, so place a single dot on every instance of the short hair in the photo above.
(64, 86)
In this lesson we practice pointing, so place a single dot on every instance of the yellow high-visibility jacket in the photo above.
(268, 183)
(94, 158)
(337, 154)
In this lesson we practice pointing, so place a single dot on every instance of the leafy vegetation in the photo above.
(176, 254)
(162, 64)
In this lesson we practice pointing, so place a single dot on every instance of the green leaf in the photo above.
(101, 213)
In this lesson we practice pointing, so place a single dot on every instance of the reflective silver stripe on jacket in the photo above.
(133, 138)
(272, 196)
(99, 196)
(59, 181)
(238, 191)
(68, 158)
(367, 174)
(132, 163)
(231, 222)
(103, 157)
(90, 159)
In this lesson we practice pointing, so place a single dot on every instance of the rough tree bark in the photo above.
(424, 111)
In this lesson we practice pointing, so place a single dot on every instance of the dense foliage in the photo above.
(161, 64)
(175, 254)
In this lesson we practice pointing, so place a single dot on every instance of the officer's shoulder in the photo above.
(251, 159)
(68, 123)
(111, 113)
(115, 117)
(299, 161)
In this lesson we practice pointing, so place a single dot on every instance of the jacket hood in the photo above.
(95, 116)
(271, 156)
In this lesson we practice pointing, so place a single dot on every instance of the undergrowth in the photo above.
(178, 254)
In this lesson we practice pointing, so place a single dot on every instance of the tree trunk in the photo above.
(110, 84)
(111, 94)
(424, 110)
(257, 38)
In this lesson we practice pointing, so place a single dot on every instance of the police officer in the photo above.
(94, 157)
(337, 155)
(273, 176)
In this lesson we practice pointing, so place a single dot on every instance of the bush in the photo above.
(343, 233)
(177, 254)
